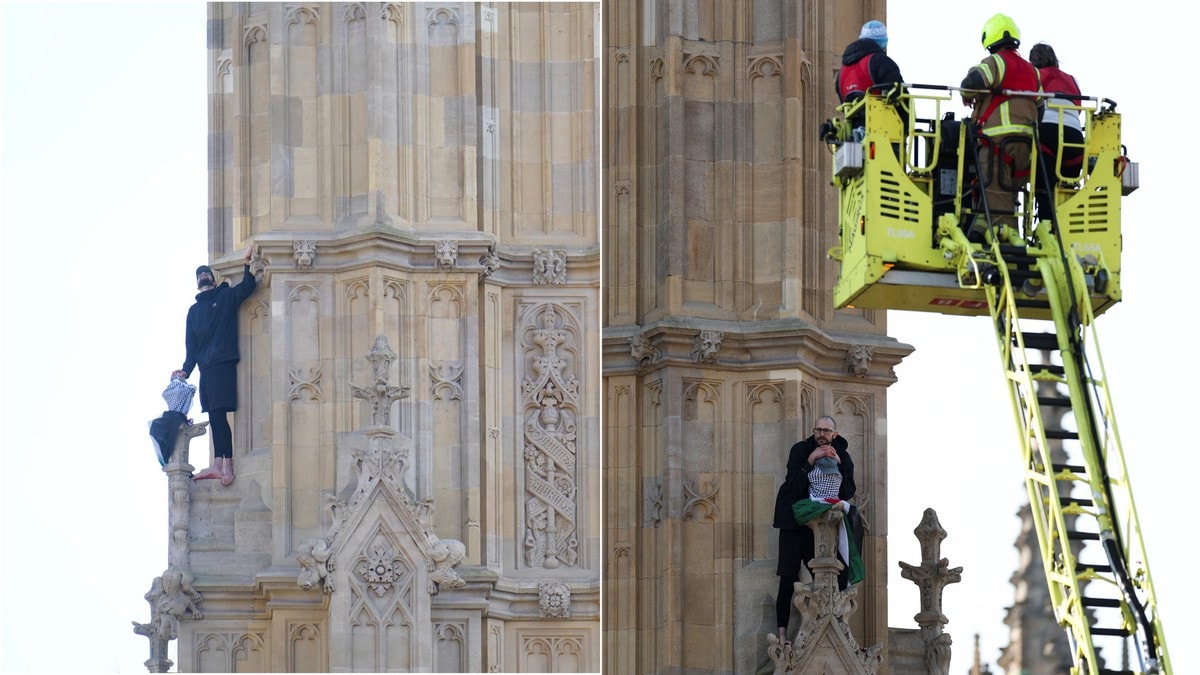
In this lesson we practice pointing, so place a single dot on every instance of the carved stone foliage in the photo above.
(554, 600)
(446, 254)
(303, 252)
(655, 506)
(858, 360)
(707, 346)
(550, 403)
(549, 266)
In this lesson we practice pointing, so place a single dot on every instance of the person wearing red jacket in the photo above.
(866, 65)
(1004, 121)
(1060, 132)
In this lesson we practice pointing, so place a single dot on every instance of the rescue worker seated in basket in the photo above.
(1003, 123)
(866, 67)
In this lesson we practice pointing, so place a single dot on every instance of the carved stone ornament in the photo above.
(858, 360)
(931, 577)
(258, 264)
(381, 395)
(303, 253)
(700, 500)
(707, 346)
(380, 568)
(382, 463)
(549, 267)
(171, 599)
(554, 600)
(446, 253)
(490, 261)
(315, 564)
(444, 556)
(824, 641)
(550, 403)
(642, 349)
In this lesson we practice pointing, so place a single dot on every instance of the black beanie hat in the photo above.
(205, 268)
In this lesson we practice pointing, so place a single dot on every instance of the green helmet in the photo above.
(999, 30)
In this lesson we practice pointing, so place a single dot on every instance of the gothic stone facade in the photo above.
(721, 346)
(418, 443)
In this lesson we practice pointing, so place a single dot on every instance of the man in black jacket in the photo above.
(212, 344)
(796, 545)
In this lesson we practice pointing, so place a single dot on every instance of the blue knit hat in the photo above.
(875, 30)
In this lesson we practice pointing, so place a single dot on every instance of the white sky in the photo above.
(102, 116)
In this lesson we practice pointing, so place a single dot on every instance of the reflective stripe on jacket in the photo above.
(1000, 114)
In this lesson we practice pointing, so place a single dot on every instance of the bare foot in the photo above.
(226, 478)
(207, 473)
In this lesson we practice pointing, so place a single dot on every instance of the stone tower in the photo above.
(417, 443)
(721, 345)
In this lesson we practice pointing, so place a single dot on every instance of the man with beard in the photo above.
(796, 545)
(212, 344)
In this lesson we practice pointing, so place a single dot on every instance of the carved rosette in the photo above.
(554, 600)
(382, 580)
(380, 568)
(550, 393)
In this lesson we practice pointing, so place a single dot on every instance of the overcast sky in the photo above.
(103, 196)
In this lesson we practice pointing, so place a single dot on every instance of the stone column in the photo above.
(171, 595)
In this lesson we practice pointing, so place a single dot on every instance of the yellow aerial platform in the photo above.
(905, 173)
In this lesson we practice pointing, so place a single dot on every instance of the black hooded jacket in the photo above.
(882, 69)
(212, 324)
(795, 485)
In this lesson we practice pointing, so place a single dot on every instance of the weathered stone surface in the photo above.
(417, 443)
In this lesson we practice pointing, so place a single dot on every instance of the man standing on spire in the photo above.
(212, 344)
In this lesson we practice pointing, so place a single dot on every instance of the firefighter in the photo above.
(1004, 122)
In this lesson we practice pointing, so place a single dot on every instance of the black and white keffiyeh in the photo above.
(178, 395)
